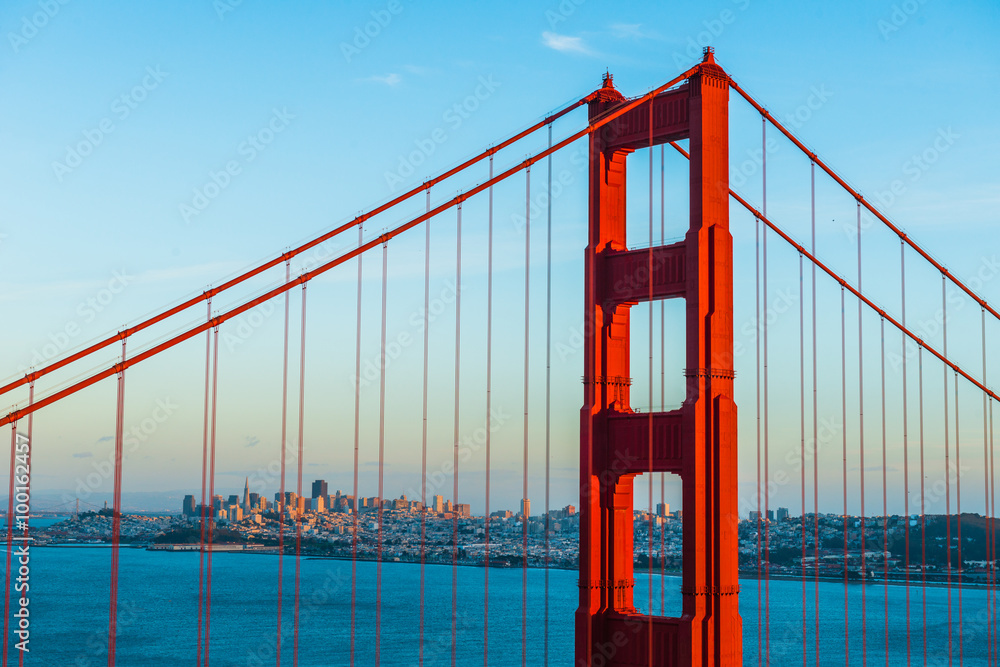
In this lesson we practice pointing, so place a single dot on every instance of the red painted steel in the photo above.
(607, 624)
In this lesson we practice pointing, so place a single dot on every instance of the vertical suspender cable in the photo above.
(861, 446)
(423, 436)
(843, 417)
(298, 516)
(211, 487)
(958, 523)
(663, 371)
(885, 503)
(204, 473)
(993, 534)
(489, 422)
(548, 389)
(947, 453)
(381, 459)
(802, 445)
(116, 520)
(923, 506)
(815, 421)
(760, 579)
(284, 444)
(767, 465)
(990, 556)
(524, 481)
(458, 356)
(906, 450)
(357, 440)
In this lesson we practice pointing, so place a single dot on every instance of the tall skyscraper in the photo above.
(246, 496)
(782, 513)
(319, 488)
(438, 504)
(662, 509)
(525, 507)
(189, 506)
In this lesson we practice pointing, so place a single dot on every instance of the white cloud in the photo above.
(564, 43)
(391, 79)
(417, 69)
(630, 31)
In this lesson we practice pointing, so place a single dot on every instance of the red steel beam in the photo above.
(211, 292)
(850, 288)
(16, 415)
(854, 193)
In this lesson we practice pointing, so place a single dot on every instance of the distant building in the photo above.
(755, 516)
(234, 500)
(318, 504)
(463, 510)
(438, 504)
(525, 507)
(217, 502)
(569, 510)
(254, 500)
(782, 514)
(188, 506)
(447, 507)
(770, 515)
(246, 496)
(319, 488)
(662, 509)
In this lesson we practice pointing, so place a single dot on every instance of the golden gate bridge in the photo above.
(699, 441)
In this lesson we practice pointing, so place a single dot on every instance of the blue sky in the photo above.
(166, 100)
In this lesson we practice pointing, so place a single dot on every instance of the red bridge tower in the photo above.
(697, 441)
